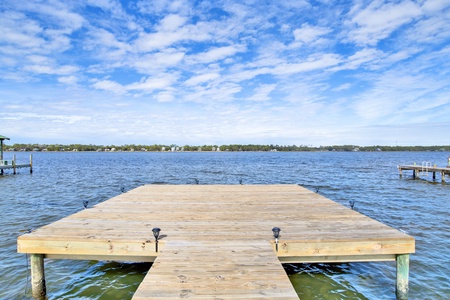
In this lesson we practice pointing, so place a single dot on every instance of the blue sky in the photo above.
(221, 72)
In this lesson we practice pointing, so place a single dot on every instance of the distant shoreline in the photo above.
(216, 148)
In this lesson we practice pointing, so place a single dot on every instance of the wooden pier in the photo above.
(216, 241)
(13, 165)
(425, 169)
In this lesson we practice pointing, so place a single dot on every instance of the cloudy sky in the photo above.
(219, 72)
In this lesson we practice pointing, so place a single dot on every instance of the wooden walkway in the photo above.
(216, 240)
(216, 270)
(418, 170)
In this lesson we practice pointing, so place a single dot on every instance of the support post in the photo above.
(31, 163)
(402, 287)
(14, 164)
(38, 288)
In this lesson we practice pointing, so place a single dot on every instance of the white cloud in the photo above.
(164, 81)
(378, 20)
(58, 11)
(342, 87)
(424, 104)
(70, 80)
(101, 38)
(362, 57)
(40, 59)
(224, 92)
(109, 85)
(217, 53)
(161, 6)
(432, 30)
(201, 79)
(157, 62)
(309, 34)
(18, 30)
(435, 6)
(165, 96)
(395, 94)
(159, 40)
(170, 31)
(262, 92)
(68, 119)
(315, 62)
(171, 23)
(27, 37)
(52, 70)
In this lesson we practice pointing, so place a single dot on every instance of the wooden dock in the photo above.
(13, 165)
(216, 241)
(425, 169)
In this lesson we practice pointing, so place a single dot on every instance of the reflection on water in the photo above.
(62, 181)
(102, 280)
(312, 281)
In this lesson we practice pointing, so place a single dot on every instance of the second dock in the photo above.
(425, 169)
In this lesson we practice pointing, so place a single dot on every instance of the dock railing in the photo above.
(425, 166)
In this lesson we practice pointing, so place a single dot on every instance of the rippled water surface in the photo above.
(61, 181)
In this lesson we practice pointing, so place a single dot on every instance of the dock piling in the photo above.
(38, 289)
(402, 276)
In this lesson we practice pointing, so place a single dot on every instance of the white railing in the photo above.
(425, 166)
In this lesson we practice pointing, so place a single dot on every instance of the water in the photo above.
(61, 181)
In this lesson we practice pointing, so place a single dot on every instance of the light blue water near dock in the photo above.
(61, 181)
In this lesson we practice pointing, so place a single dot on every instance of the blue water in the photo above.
(61, 181)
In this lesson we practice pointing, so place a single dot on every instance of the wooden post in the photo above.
(1, 150)
(31, 163)
(443, 176)
(1, 155)
(38, 288)
(14, 164)
(402, 276)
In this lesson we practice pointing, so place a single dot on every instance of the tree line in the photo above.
(211, 148)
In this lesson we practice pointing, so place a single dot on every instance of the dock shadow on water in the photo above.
(322, 281)
(102, 280)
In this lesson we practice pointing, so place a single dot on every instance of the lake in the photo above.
(62, 180)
